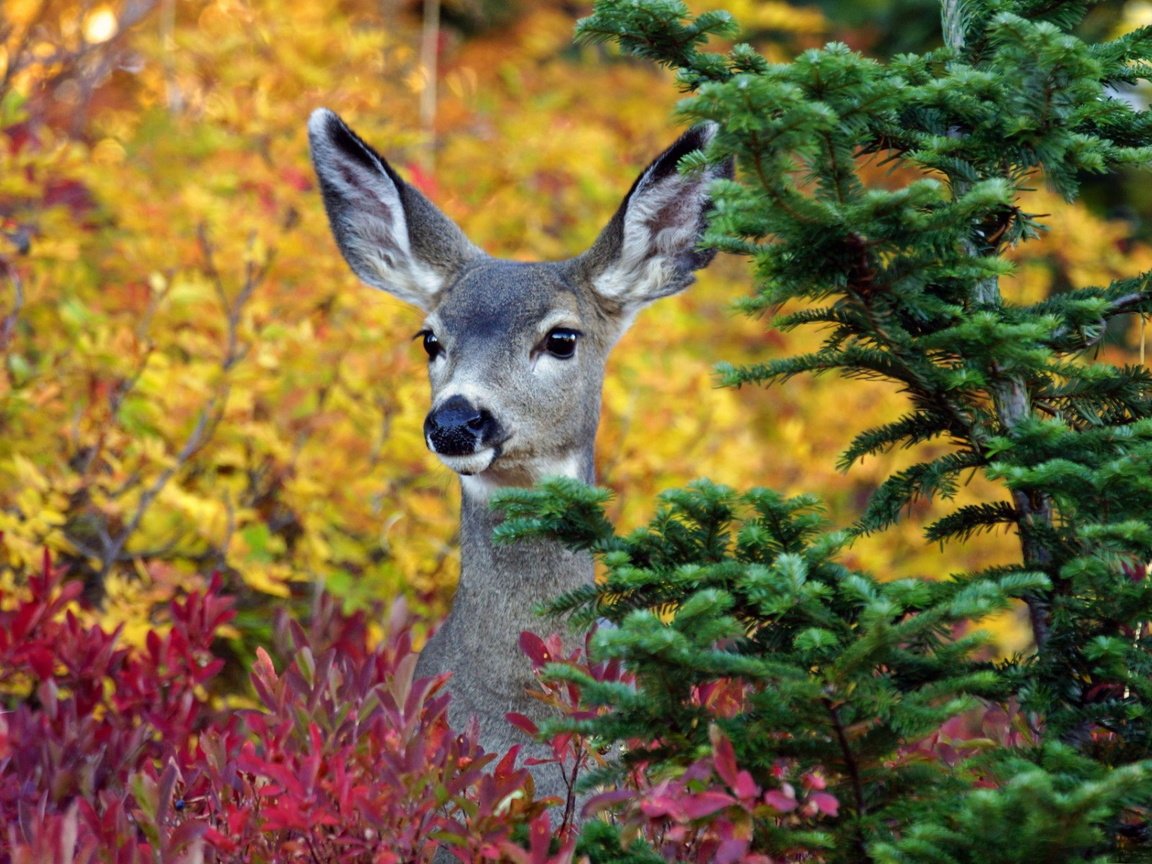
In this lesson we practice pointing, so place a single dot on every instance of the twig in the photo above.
(1119, 306)
(212, 411)
(16, 55)
(429, 43)
(125, 385)
(853, 772)
(195, 440)
(8, 325)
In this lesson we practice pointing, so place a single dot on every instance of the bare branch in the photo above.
(211, 413)
(1086, 337)
(8, 323)
(18, 52)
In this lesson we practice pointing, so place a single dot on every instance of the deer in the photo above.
(516, 357)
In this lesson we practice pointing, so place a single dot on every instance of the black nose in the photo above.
(458, 428)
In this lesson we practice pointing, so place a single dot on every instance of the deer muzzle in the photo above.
(466, 438)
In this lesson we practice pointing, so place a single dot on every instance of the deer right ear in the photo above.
(651, 248)
(391, 236)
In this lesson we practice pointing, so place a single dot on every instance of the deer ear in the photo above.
(391, 236)
(650, 249)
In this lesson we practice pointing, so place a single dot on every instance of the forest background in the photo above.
(193, 383)
(206, 423)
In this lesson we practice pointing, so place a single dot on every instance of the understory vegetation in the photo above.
(220, 540)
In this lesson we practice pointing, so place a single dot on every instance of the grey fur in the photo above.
(533, 413)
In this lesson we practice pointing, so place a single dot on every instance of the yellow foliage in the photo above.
(193, 381)
(780, 17)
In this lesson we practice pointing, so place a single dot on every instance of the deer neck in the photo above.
(501, 585)
(511, 579)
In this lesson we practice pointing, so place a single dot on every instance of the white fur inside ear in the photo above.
(386, 249)
(661, 223)
(368, 218)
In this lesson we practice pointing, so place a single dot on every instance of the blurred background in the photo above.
(191, 380)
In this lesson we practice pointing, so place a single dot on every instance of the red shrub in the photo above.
(111, 753)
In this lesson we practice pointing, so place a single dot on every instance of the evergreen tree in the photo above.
(842, 674)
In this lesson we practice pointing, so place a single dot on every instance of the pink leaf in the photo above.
(263, 666)
(779, 801)
(745, 787)
(814, 780)
(660, 806)
(826, 803)
(706, 803)
(723, 756)
(730, 851)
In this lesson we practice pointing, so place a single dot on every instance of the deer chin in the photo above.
(506, 471)
(471, 464)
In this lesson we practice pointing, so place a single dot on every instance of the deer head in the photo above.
(516, 351)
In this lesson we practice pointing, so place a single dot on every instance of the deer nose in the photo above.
(457, 428)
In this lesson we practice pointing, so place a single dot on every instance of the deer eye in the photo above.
(561, 342)
(432, 346)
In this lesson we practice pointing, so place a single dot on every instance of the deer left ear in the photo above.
(650, 249)
(391, 236)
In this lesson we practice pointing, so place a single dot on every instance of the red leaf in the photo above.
(607, 800)
(263, 667)
(507, 763)
(296, 179)
(522, 722)
(421, 179)
(220, 841)
(534, 647)
(540, 835)
(41, 660)
(562, 746)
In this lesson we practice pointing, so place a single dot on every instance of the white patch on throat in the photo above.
(481, 485)
(569, 466)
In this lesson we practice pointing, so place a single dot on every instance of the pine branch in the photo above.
(924, 480)
(908, 431)
(971, 519)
